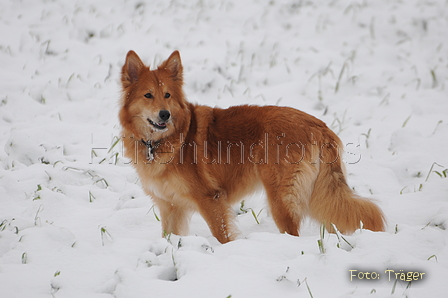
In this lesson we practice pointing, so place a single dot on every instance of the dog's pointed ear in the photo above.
(174, 65)
(131, 68)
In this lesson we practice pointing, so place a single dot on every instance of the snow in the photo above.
(74, 221)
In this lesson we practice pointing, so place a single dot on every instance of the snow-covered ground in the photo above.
(74, 221)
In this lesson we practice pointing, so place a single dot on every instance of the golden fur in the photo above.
(197, 158)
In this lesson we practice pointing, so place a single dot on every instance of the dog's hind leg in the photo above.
(289, 191)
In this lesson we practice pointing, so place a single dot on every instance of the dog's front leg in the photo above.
(175, 218)
(219, 215)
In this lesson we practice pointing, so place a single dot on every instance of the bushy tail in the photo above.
(333, 202)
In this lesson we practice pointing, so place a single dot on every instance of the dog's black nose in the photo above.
(164, 115)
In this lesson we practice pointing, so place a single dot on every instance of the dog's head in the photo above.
(153, 105)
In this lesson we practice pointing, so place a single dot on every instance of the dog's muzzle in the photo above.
(164, 116)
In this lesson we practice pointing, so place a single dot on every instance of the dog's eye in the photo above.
(167, 95)
(148, 95)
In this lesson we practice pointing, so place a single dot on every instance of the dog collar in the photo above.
(151, 146)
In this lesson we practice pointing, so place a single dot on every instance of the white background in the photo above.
(72, 225)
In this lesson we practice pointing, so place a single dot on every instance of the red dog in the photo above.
(197, 158)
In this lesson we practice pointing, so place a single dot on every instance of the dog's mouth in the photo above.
(159, 125)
